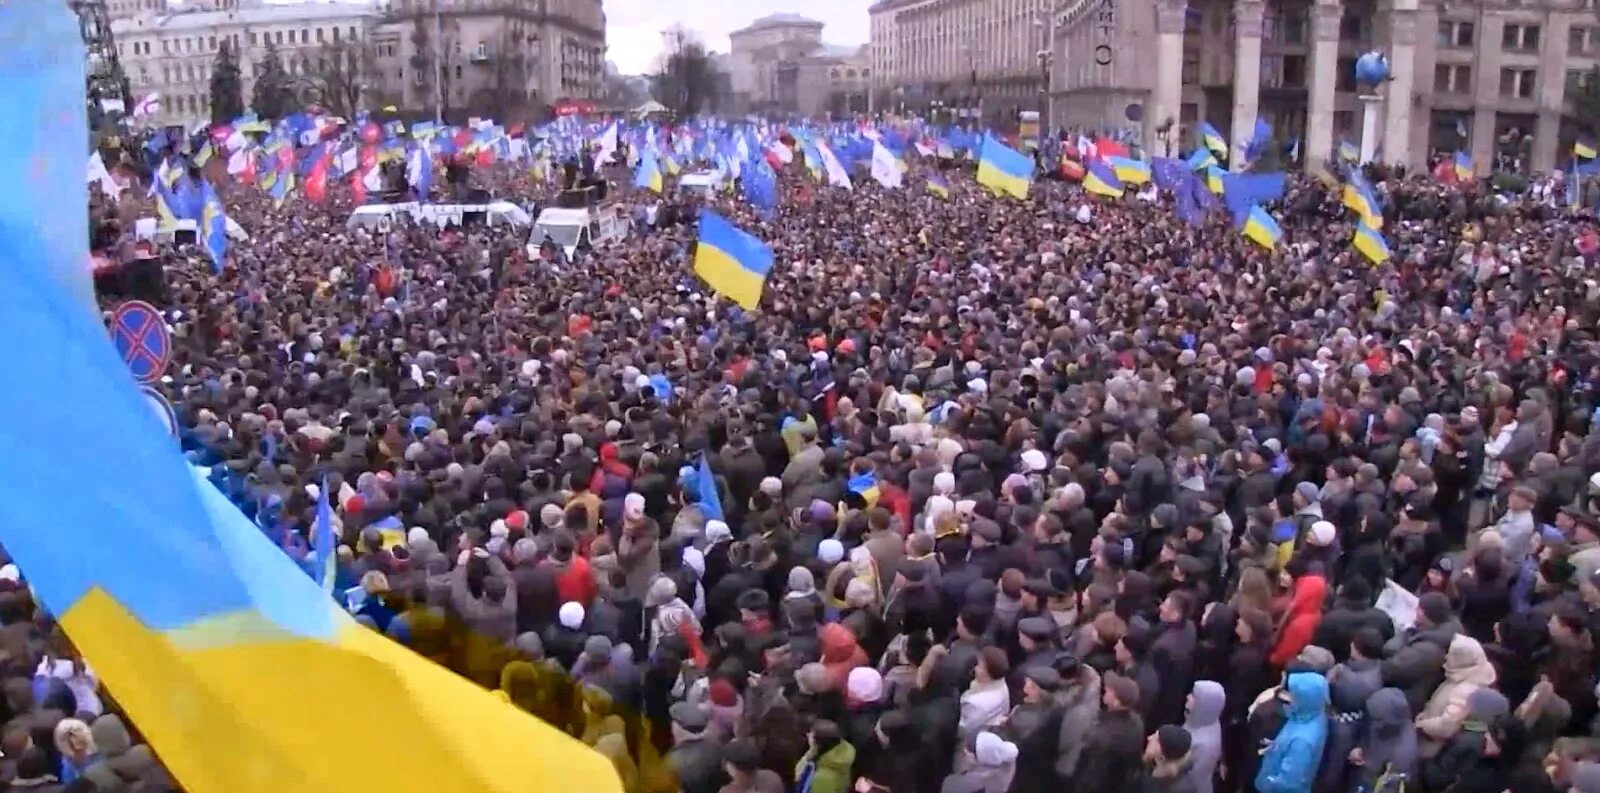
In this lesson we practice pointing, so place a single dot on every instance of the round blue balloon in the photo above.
(1372, 68)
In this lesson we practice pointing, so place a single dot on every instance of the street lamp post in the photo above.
(1044, 56)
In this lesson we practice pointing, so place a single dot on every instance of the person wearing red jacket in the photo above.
(574, 578)
(1305, 612)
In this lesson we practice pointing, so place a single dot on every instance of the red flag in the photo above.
(1445, 171)
(1072, 170)
(358, 187)
(463, 138)
(485, 156)
(1107, 148)
(247, 176)
(367, 159)
(370, 132)
(317, 180)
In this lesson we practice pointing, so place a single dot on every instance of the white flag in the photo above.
(885, 166)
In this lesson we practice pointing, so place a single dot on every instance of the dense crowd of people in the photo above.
(1063, 494)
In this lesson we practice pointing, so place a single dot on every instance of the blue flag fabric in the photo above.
(1167, 173)
(1242, 191)
(323, 543)
(705, 484)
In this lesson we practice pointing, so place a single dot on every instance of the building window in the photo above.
(252, 38)
(1456, 35)
(1345, 77)
(353, 33)
(278, 37)
(1517, 83)
(211, 43)
(1577, 81)
(1580, 41)
(1520, 38)
(1191, 68)
(165, 50)
(305, 36)
(1294, 71)
(1350, 28)
(335, 34)
(1452, 79)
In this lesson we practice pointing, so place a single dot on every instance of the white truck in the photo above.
(570, 227)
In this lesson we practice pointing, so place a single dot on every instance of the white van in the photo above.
(569, 228)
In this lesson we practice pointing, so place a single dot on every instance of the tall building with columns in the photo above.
(1503, 72)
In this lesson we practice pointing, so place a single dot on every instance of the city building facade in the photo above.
(171, 52)
(779, 64)
(509, 58)
(1496, 78)
(964, 58)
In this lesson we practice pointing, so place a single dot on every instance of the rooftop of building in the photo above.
(200, 16)
(779, 20)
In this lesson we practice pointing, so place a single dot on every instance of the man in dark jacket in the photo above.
(1352, 610)
(1172, 654)
(537, 596)
(1111, 760)
(1416, 659)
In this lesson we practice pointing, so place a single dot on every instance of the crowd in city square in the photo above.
(987, 496)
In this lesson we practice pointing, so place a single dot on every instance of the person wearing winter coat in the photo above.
(987, 700)
(990, 769)
(695, 759)
(1168, 762)
(1388, 747)
(1479, 746)
(1172, 655)
(1203, 721)
(1466, 669)
(1290, 762)
(741, 761)
(1415, 662)
(1350, 684)
(825, 768)
(1300, 623)
(1111, 758)
(840, 654)
(1249, 674)
(1352, 610)
(1079, 699)
(122, 765)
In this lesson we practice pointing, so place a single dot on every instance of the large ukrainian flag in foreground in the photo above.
(241, 673)
(730, 261)
(1004, 169)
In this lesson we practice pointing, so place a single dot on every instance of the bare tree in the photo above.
(346, 68)
(686, 79)
(504, 95)
(433, 61)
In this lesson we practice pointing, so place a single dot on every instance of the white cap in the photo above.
(571, 615)
(1321, 533)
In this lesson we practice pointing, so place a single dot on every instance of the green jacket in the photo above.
(832, 774)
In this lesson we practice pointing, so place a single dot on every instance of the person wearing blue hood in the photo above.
(1290, 762)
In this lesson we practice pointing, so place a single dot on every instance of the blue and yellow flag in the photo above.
(1099, 179)
(730, 261)
(938, 186)
(1358, 196)
(1370, 242)
(1212, 139)
(1201, 158)
(1348, 151)
(1463, 166)
(1004, 169)
(237, 668)
(213, 227)
(1584, 147)
(648, 175)
(1129, 170)
(323, 544)
(1260, 227)
(1214, 181)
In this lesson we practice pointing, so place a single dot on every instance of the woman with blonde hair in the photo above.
(76, 744)
(1255, 591)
